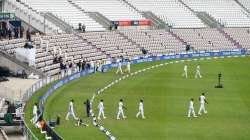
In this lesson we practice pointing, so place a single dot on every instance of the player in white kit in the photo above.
(71, 111)
(128, 66)
(202, 100)
(141, 110)
(198, 73)
(101, 110)
(119, 68)
(34, 112)
(191, 108)
(185, 74)
(120, 110)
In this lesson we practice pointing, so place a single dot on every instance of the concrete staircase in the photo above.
(98, 17)
(58, 22)
(232, 40)
(157, 22)
(29, 16)
(242, 6)
(208, 19)
(101, 19)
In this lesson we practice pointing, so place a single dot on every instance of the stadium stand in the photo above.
(112, 43)
(94, 46)
(9, 46)
(170, 11)
(156, 41)
(226, 12)
(30, 16)
(114, 10)
(69, 46)
(245, 3)
(57, 49)
(242, 35)
(205, 39)
(66, 11)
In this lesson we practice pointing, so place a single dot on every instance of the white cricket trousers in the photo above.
(185, 74)
(101, 113)
(198, 74)
(191, 111)
(120, 112)
(119, 69)
(202, 108)
(128, 69)
(141, 112)
(71, 114)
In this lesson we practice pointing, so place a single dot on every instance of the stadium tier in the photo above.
(114, 10)
(226, 12)
(66, 11)
(156, 41)
(241, 35)
(112, 44)
(205, 39)
(170, 11)
(94, 46)
(245, 3)
(54, 42)
(30, 16)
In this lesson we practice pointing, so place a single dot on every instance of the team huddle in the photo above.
(101, 113)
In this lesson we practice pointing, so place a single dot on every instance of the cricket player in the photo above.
(120, 110)
(34, 112)
(101, 110)
(71, 110)
(128, 66)
(202, 100)
(141, 110)
(198, 73)
(119, 68)
(185, 74)
(81, 122)
(191, 108)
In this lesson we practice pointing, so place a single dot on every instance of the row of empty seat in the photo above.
(226, 12)
(66, 11)
(171, 11)
(114, 10)
(29, 16)
(241, 35)
(156, 41)
(95, 46)
(205, 39)
(112, 43)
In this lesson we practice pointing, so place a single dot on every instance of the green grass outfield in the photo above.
(166, 94)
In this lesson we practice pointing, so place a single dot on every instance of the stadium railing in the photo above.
(27, 96)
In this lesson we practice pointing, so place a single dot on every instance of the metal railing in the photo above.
(27, 96)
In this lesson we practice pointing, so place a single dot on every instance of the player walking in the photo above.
(202, 100)
(71, 110)
(141, 110)
(119, 68)
(128, 66)
(198, 73)
(185, 74)
(191, 108)
(120, 110)
(101, 110)
(35, 114)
